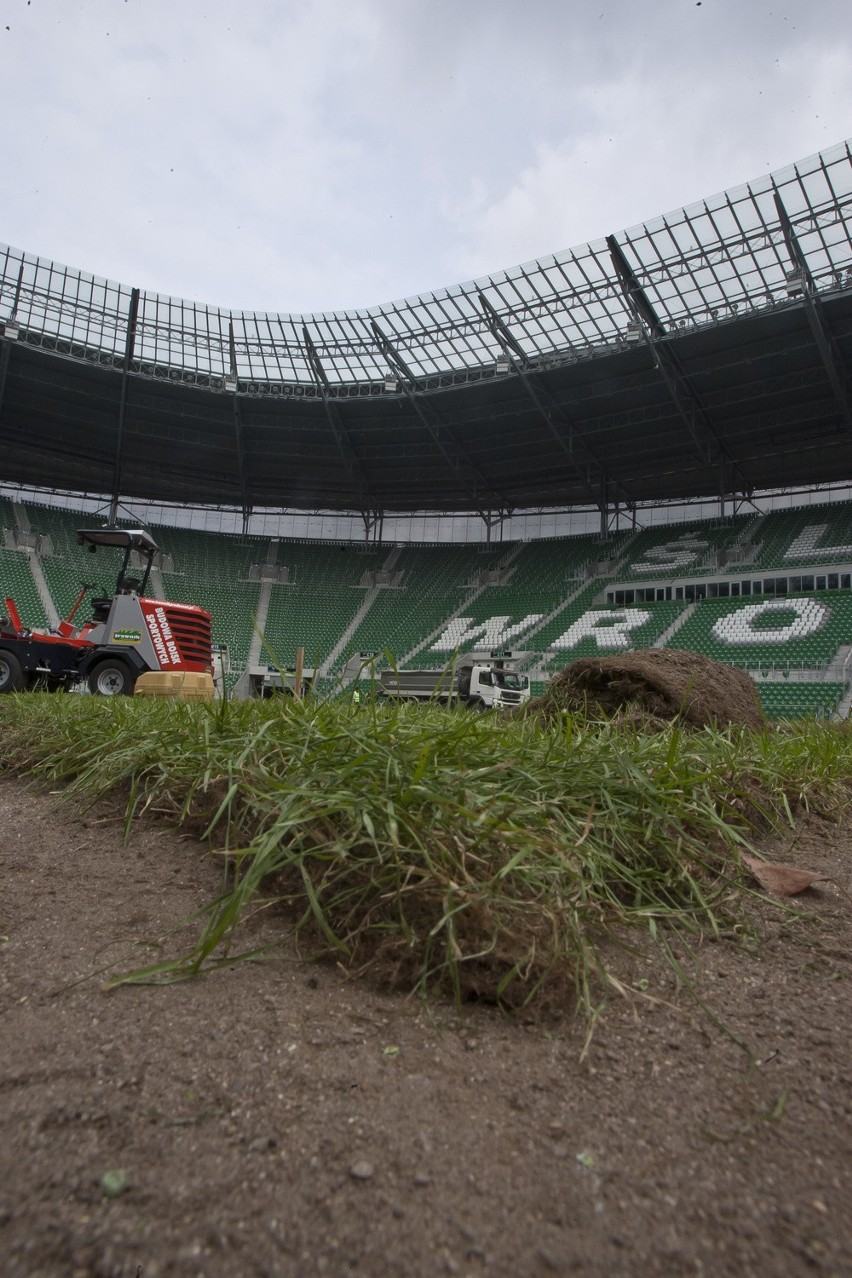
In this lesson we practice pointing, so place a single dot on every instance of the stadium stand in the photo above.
(628, 374)
(430, 583)
(574, 607)
(801, 632)
(606, 630)
(326, 586)
(543, 569)
(509, 610)
(681, 550)
(213, 570)
(16, 580)
(801, 699)
(65, 564)
(789, 540)
(7, 514)
(543, 599)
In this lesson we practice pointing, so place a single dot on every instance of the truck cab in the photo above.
(495, 687)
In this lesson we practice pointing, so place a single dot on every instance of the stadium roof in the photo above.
(703, 352)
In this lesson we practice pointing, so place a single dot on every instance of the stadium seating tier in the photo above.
(539, 597)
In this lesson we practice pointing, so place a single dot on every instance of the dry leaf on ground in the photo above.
(782, 880)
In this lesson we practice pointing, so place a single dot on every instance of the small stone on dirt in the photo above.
(113, 1183)
(362, 1170)
(262, 1144)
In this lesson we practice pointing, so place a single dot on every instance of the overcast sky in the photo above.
(326, 155)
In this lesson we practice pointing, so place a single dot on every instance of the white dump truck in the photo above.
(475, 680)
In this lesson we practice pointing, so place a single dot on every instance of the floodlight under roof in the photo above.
(795, 282)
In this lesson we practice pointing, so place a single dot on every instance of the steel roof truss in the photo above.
(815, 315)
(4, 369)
(130, 340)
(708, 447)
(818, 227)
(633, 292)
(238, 427)
(543, 402)
(482, 491)
(341, 437)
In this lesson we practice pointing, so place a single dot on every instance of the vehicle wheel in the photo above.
(11, 675)
(111, 679)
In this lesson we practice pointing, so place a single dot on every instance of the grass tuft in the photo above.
(485, 858)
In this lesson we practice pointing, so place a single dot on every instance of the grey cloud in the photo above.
(306, 157)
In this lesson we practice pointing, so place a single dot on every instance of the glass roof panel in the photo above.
(695, 265)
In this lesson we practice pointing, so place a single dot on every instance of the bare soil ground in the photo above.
(279, 1119)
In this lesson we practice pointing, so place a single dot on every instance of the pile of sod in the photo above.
(438, 850)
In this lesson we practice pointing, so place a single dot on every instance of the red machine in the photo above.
(127, 635)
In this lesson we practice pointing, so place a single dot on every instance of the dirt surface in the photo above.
(659, 683)
(280, 1119)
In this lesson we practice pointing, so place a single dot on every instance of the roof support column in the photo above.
(233, 380)
(5, 354)
(10, 335)
(560, 426)
(706, 442)
(492, 520)
(465, 471)
(129, 342)
(348, 456)
(801, 280)
(374, 521)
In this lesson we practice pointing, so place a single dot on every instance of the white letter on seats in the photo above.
(809, 543)
(609, 628)
(491, 633)
(673, 554)
(739, 627)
